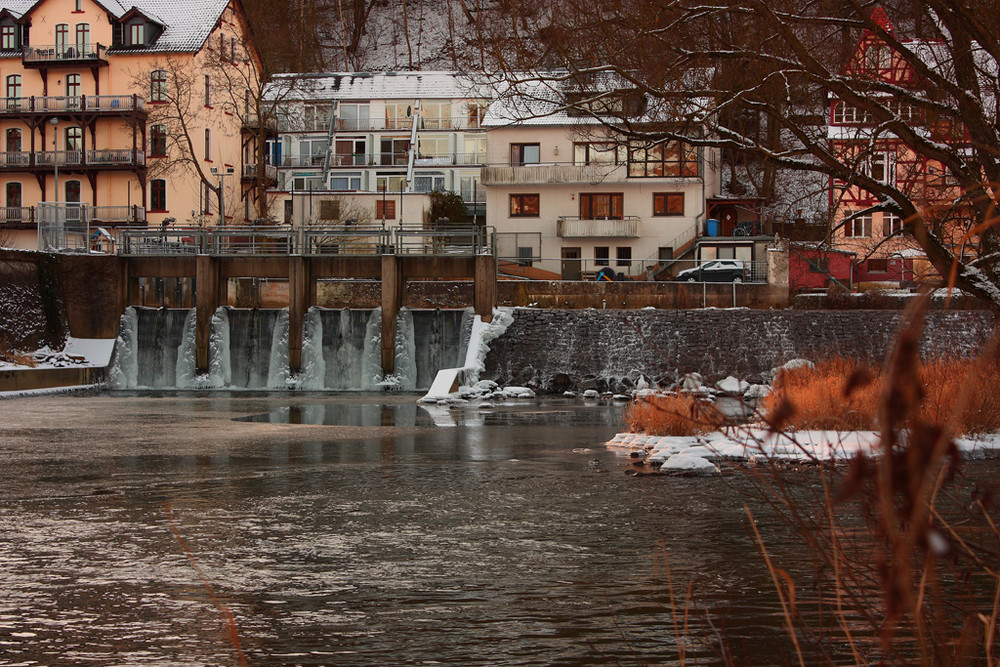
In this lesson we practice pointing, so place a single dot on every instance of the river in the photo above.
(364, 530)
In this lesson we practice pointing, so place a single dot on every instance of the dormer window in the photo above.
(137, 34)
(8, 38)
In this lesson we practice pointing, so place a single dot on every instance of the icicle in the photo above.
(278, 374)
(405, 371)
(371, 363)
(186, 369)
(124, 373)
(220, 368)
(312, 376)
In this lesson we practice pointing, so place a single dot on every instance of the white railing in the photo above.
(568, 227)
(270, 172)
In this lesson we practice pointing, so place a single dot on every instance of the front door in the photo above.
(570, 263)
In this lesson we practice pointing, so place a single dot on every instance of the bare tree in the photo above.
(757, 78)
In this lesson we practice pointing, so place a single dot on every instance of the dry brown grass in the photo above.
(840, 394)
(19, 358)
(671, 414)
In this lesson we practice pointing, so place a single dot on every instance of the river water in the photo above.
(361, 529)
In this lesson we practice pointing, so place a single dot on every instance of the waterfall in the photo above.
(220, 368)
(258, 348)
(441, 338)
(186, 369)
(124, 372)
(278, 374)
(371, 362)
(312, 374)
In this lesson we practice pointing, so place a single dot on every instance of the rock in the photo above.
(518, 392)
(732, 386)
(569, 394)
(692, 382)
(560, 383)
(690, 464)
(621, 397)
(792, 365)
(757, 391)
(591, 394)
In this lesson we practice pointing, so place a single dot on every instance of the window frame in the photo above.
(158, 86)
(8, 37)
(158, 189)
(859, 227)
(665, 159)
(385, 209)
(665, 199)
(602, 255)
(158, 140)
(208, 144)
(137, 34)
(623, 255)
(518, 207)
(589, 202)
(517, 158)
(14, 83)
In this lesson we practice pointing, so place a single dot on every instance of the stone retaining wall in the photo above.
(559, 350)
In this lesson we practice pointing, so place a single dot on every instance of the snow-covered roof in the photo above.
(376, 86)
(187, 23)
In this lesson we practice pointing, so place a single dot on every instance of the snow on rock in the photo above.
(733, 386)
(757, 391)
(592, 394)
(690, 464)
(792, 365)
(518, 392)
(463, 383)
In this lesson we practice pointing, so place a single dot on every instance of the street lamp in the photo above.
(222, 191)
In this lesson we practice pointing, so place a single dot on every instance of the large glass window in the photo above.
(398, 116)
(158, 86)
(433, 147)
(475, 150)
(349, 152)
(62, 38)
(390, 183)
(598, 153)
(350, 181)
(353, 117)
(435, 115)
(83, 38)
(602, 206)
(667, 159)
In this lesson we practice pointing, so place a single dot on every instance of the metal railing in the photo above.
(250, 172)
(166, 241)
(444, 241)
(63, 103)
(228, 241)
(586, 269)
(51, 53)
(17, 215)
(345, 240)
(108, 157)
(253, 121)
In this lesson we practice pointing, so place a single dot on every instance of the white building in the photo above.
(569, 198)
(382, 140)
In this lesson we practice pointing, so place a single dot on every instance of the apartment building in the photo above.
(569, 198)
(122, 115)
(378, 142)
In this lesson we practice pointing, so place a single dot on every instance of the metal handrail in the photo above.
(345, 240)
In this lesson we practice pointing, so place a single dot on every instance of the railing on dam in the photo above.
(358, 241)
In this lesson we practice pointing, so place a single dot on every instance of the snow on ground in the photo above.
(698, 454)
(78, 352)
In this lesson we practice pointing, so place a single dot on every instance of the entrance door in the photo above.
(571, 264)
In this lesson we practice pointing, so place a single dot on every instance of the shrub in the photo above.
(671, 414)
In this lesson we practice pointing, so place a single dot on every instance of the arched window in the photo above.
(158, 195)
(208, 144)
(158, 86)
(13, 85)
(158, 141)
(13, 141)
(74, 139)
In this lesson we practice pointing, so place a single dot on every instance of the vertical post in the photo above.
(485, 288)
(392, 301)
(299, 282)
(206, 302)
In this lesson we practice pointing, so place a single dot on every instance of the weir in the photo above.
(212, 276)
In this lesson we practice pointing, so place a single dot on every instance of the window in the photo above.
(232, 48)
(13, 85)
(14, 141)
(8, 37)
(72, 86)
(604, 152)
(353, 117)
(525, 154)
(624, 256)
(13, 196)
(137, 34)
(891, 224)
(83, 38)
(846, 114)
(62, 38)
(671, 159)
(668, 203)
(602, 256)
(398, 116)
(433, 147)
(390, 183)
(878, 265)
(329, 209)
(158, 195)
(74, 139)
(524, 206)
(206, 199)
(878, 57)
(428, 182)
(73, 192)
(525, 255)
(385, 209)
(476, 112)
(604, 206)
(158, 86)
(475, 150)
(158, 141)
(858, 227)
(222, 46)
(880, 168)
(312, 152)
(208, 90)
(394, 152)
(78, 6)
(208, 144)
(435, 115)
(350, 152)
(345, 181)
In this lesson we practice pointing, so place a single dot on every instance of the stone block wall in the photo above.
(559, 350)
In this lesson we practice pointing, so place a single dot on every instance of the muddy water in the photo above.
(367, 531)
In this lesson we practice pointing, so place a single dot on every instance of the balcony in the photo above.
(580, 228)
(53, 105)
(402, 159)
(253, 123)
(541, 174)
(107, 159)
(270, 173)
(64, 55)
